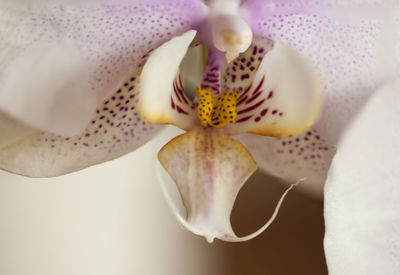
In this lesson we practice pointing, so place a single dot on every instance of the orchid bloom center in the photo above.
(216, 111)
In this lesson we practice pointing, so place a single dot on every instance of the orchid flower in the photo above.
(85, 83)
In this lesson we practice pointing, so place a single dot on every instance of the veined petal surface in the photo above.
(55, 54)
(354, 45)
(209, 168)
(280, 88)
(280, 95)
(362, 193)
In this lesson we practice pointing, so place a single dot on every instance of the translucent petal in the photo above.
(61, 60)
(354, 45)
(162, 97)
(362, 191)
(283, 96)
(209, 168)
(306, 156)
(12, 130)
(116, 129)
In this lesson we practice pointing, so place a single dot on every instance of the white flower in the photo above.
(119, 60)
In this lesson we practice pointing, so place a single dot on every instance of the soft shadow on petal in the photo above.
(284, 96)
(116, 128)
(12, 130)
(59, 60)
(306, 156)
(353, 57)
(163, 99)
(47, 87)
(209, 169)
(362, 194)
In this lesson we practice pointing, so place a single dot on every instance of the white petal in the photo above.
(12, 130)
(283, 98)
(362, 191)
(42, 87)
(355, 46)
(209, 168)
(307, 156)
(116, 129)
(60, 60)
(162, 97)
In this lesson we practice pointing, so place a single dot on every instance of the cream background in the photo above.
(112, 219)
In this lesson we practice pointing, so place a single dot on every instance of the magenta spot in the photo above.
(264, 112)
(255, 50)
(245, 76)
(274, 112)
(271, 94)
(257, 119)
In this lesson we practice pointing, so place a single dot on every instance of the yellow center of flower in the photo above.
(216, 111)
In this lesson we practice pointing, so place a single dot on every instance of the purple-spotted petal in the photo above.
(355, 46)
(281, 93)
(59, 61)
(209, 168)
(307, 156)
(115, 129)
(162, 96)
(362, 193)
(212, 73)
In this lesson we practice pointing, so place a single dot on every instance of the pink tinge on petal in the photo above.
(106, 39)
(209, 168)
(212, 74)
(280, 94)
(353, 45)
(239, 74)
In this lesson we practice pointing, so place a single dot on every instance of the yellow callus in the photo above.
(218, 111)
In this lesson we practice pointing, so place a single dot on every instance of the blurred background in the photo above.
(112, 219)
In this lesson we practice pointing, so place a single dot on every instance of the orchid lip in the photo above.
(174, 201)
